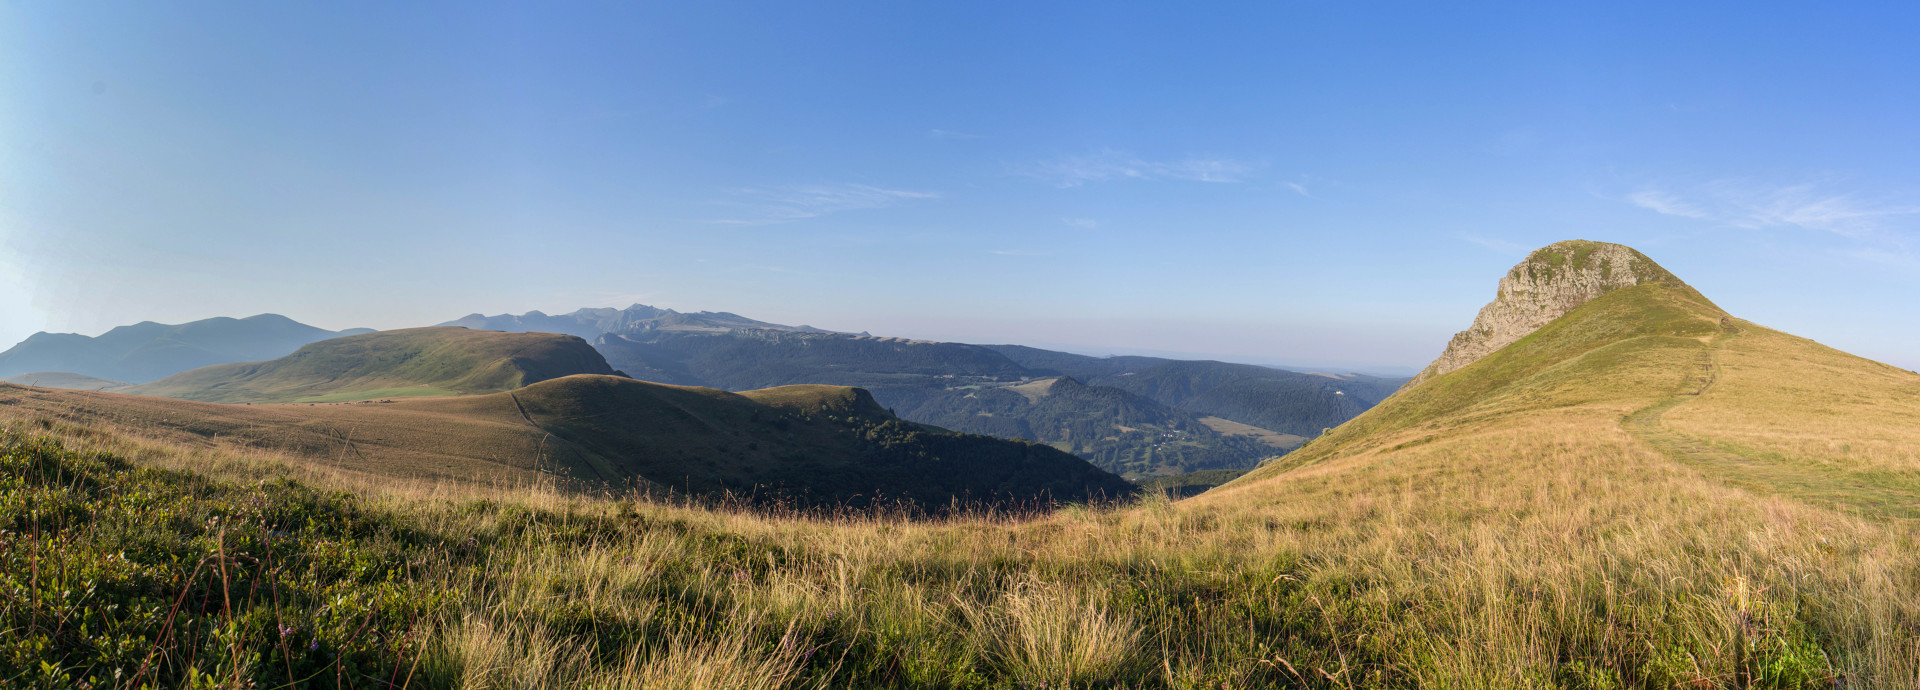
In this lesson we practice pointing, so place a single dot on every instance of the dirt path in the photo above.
(1758, 471)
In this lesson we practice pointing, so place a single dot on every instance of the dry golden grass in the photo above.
(1809, 421)
(1525, 536)
(480, 438)
(1267, 436)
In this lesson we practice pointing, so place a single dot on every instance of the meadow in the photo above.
(1511, 526)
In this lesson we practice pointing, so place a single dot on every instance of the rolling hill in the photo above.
(800, 445)
(400, 363)
(749, 358)
(963, 387)
(148, 351)
(1693, 497)
(61, 379)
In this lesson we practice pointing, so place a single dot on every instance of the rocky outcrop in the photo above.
(1552, 281)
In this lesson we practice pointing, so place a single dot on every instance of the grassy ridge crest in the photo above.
(363, 366)
(1579, 346)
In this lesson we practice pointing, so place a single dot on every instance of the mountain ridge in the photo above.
(148, 351)
(397, 363)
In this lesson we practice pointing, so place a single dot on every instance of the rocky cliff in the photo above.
(1552, 281)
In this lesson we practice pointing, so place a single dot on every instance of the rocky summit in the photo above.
(1552, 281)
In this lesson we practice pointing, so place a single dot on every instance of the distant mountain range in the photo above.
(639, 318)
(147, 351)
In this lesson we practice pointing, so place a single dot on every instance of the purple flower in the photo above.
(314, 646)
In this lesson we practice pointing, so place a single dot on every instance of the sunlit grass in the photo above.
(1523, 536)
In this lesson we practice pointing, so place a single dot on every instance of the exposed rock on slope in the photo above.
(1552, 281)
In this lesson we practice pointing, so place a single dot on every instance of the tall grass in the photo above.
(1530, 541)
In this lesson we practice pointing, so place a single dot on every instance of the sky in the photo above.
(1330, 184)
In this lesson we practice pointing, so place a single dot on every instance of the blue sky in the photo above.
(1319, 183)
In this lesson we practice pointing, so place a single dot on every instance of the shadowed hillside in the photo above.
(810, 445)
(403, 363)
(965, 387)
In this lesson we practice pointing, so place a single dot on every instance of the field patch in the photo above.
(1267, 436)
(379, 394)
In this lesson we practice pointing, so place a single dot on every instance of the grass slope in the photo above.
(1638, 496)
(364, 367)
(1578, 358)
(812, 445)
(967, 388)
(62, 379)
(1645, 492)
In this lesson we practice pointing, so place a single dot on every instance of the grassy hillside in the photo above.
(62, 379)
(1594, 352)
(1636, 496)
(1191, 483)
(763, 358)
(958, 386)
(968, 388)
(1662, 493)
(811, 445)
(434, 361)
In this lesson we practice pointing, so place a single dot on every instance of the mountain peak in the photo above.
(1550, 282)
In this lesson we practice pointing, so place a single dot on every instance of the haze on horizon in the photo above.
(1308, 183)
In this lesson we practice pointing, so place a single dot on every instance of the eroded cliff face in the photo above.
(1552, 281)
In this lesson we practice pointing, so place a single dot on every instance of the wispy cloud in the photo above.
(1876, 255)
(1082, 223)
(1297, 188)
(1074, 171)
(1021, 252)
(950, 134)
(1664, 203)
(798, 202)
(1810, 205)
(1501, 246)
